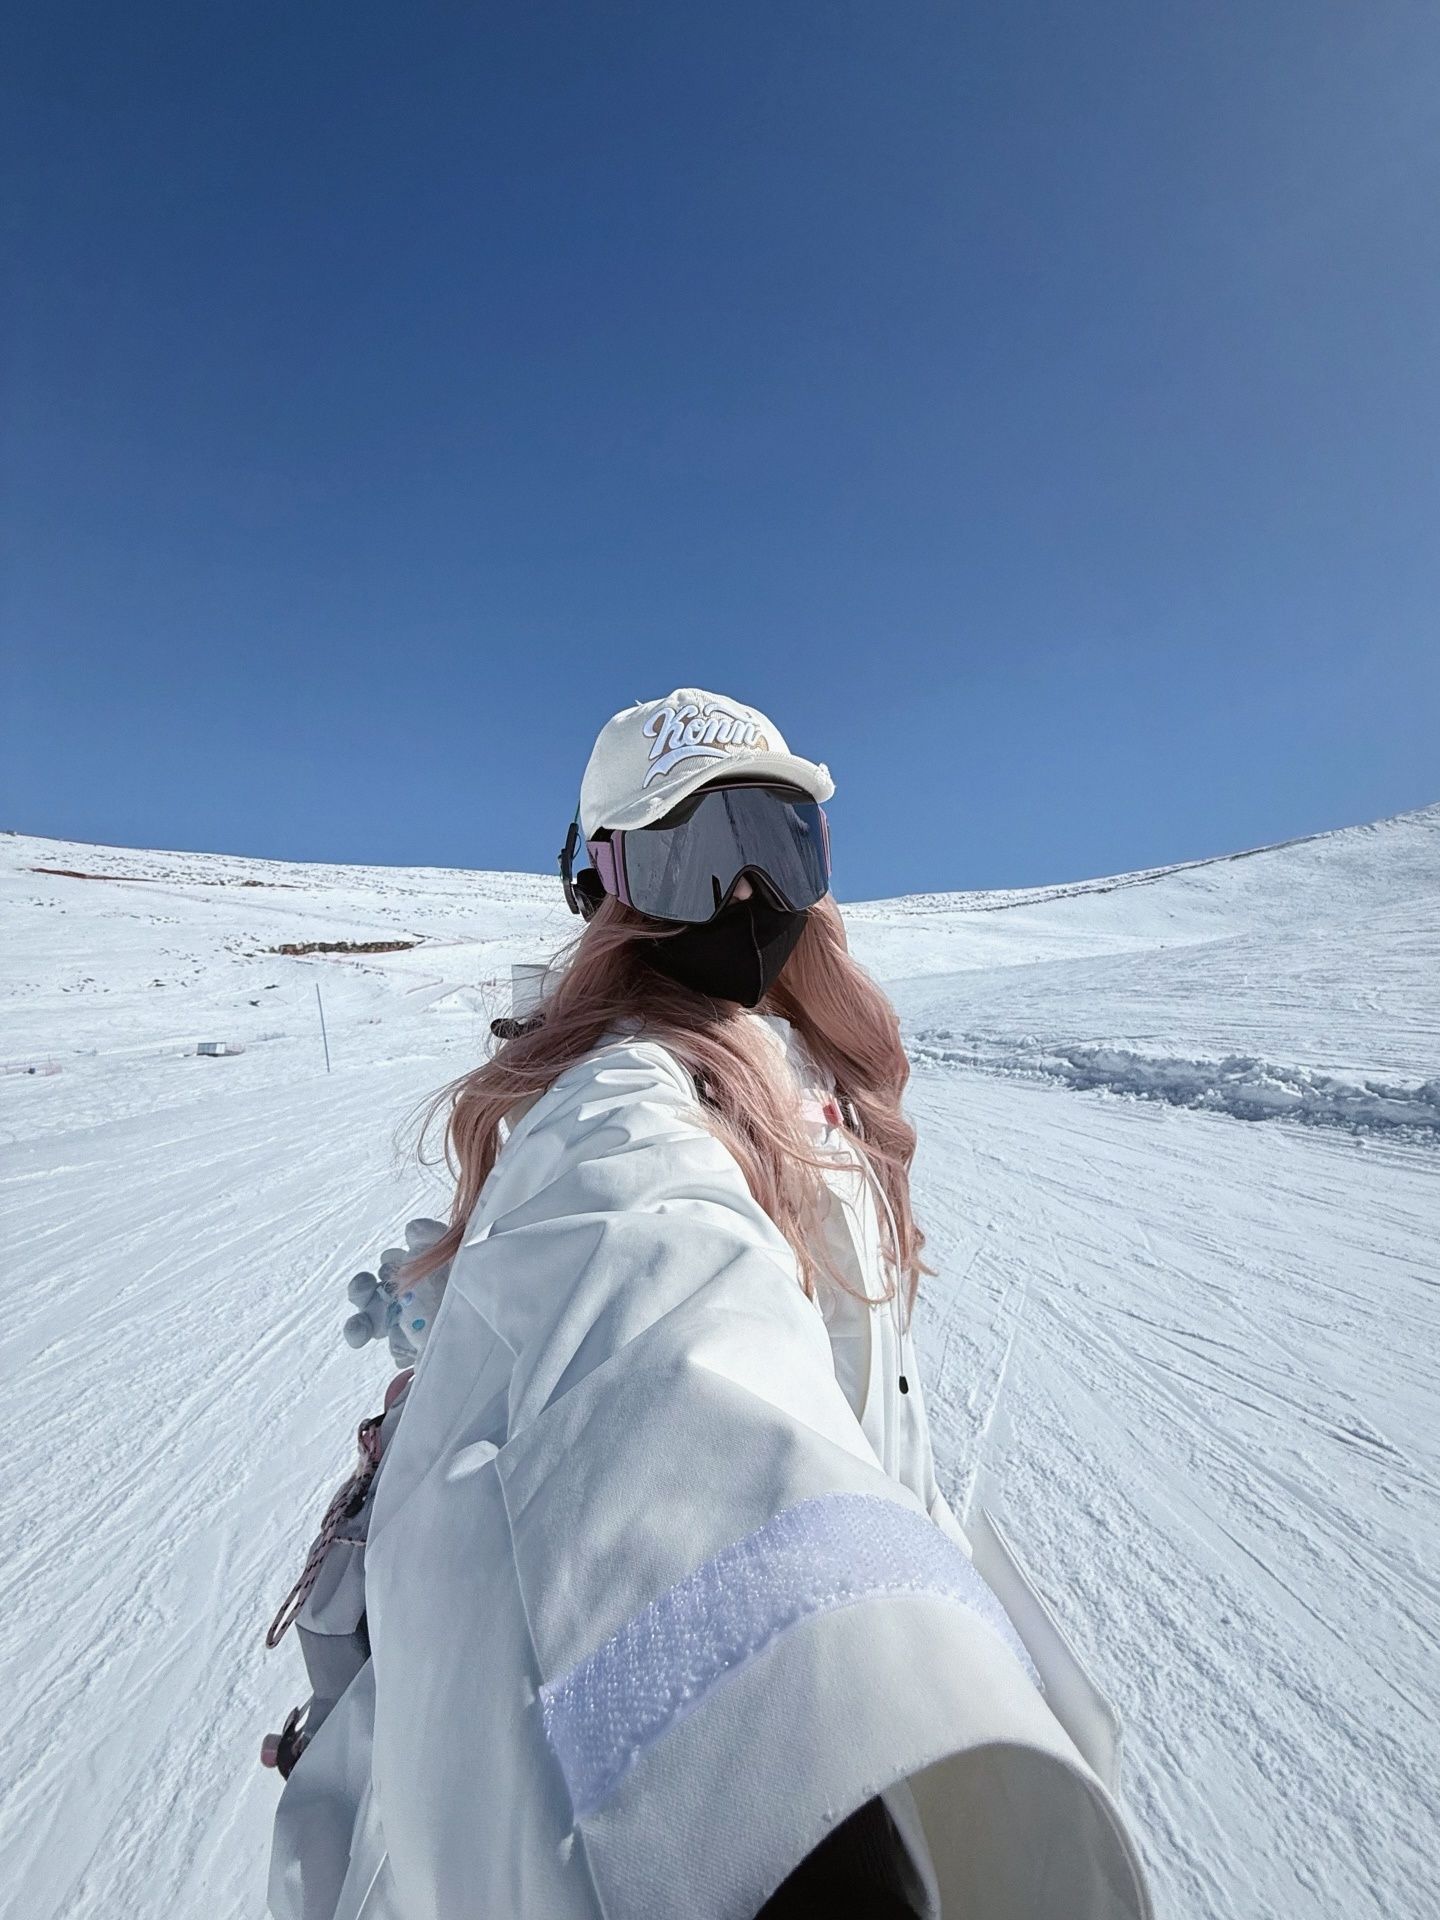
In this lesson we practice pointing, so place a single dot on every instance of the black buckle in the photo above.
(567, 867)
(584, 892)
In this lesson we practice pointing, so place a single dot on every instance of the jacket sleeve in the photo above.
(645, 1611)
(611, 1207)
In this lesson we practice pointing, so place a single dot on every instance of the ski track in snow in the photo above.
(1190, 1355)
(1219, 1457)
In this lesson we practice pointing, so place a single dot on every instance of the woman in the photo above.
(665, 1612)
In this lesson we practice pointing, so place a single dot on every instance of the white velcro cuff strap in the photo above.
(813, 1558)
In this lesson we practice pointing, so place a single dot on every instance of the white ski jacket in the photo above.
(659, 1584)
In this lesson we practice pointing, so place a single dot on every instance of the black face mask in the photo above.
(736, 956)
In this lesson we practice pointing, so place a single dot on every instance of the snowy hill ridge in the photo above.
(1191, 1359)
(1340, 931)
(1415, 834)
(1286, 980)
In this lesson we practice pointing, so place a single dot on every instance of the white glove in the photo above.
(389, 1308)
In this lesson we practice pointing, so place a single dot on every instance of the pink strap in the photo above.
(344, 1506)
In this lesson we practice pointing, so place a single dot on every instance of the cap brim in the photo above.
(785, 769)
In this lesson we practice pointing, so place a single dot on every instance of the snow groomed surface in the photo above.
(1180, 1167)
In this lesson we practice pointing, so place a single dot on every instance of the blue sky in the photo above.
(1035, 408)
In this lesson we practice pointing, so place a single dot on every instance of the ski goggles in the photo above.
(685, 868)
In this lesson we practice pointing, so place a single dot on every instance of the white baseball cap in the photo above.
(651, 756)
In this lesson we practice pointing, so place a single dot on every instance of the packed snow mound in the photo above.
(1248, 1089)
(1189, 1357)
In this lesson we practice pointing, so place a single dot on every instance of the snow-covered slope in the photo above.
(1319, 954)
(1190, 1353)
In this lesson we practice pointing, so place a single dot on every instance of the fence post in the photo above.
(323, 1035)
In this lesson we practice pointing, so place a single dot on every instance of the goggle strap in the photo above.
(605, 858)
(567, 867)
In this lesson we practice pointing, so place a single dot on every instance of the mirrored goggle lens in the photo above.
(684, 870)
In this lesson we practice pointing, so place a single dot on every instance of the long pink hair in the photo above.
(845, 1021)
